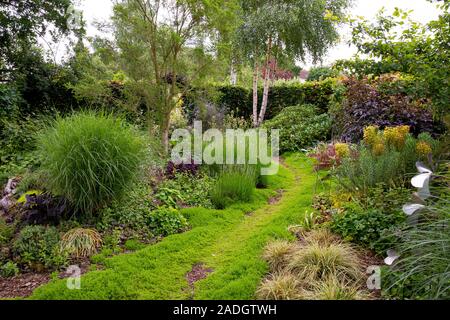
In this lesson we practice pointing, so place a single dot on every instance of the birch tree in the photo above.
(298, 28)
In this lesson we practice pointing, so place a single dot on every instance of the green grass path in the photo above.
(228, 241)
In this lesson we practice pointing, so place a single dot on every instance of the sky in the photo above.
(423, 11)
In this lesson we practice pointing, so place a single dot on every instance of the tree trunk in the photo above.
(233, 73)
(266, 85)
(165, 133)
(255, 94)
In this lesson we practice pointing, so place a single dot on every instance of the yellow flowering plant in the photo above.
(342, 150)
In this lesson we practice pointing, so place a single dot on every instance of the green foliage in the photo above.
(39, 247)
(418, 50)
(188, 190)
(321, 73)
(30, 180)
(423, 248)
(300, 127)
(133, 245)
(18, 138)
(233, 185)
(370, 103)
(6, 232)
(422, 269)
(130, 212)
(9, 270)
(366, 226)
(166, 221)
(90, 159)
(238, 100)
(168, 197)
(368, 169)
(227, 241)
(9, 99)
(111, 242)
(280, 20)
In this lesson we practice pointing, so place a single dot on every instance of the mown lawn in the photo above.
(228, 241)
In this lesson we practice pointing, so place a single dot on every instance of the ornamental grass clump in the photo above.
(81, 243)
(90, 159)
(319, 266)
(280, 286)
(233, 185)
(276, 253)
(315, 262)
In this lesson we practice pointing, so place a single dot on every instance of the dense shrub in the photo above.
(300, 127)
(167, 221)
(6, 232)
(9, 269)
(365, 104)
(38, 247)
(366, 226)
(321, 73)
(191, 191)
(129, 213)
(239, 100)
(233, 185)
(90, 159)
(18, 138)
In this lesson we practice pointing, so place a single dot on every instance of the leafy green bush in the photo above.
(6, 232)
(239, 100)
(9, 270)
(167, 221)
(365, 104)
(39, 248)
(130, 212)
(321, 73)
(300, 127)
(366, 226)
(191, 191)
(233, 185)
(90, 159)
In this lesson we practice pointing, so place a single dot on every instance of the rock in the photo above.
(7, 201)
(11, 186)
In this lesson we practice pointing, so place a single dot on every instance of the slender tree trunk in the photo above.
(255, 93)
(165, 132)
(266, 84)
(233, 73)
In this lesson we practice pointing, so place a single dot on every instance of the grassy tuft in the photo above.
(276, 253)
(279, 286)
(314, 262)
(333, 288)
(322, 237)
(81, 243)
(233, 185)
(90, 158)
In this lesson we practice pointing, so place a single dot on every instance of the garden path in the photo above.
(223, 249)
